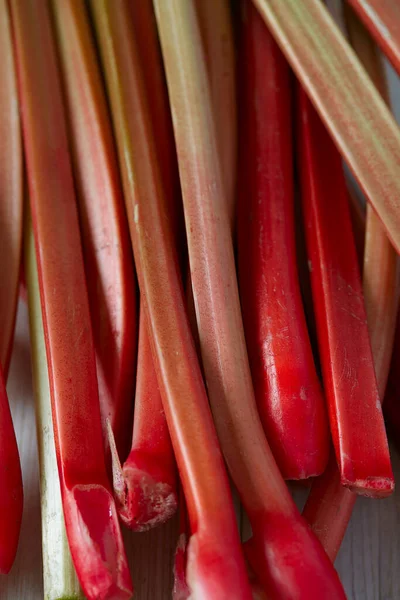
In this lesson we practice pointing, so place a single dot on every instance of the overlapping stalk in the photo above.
(345, 98)
(287, 390)
(278, 530)
(90, 514)
(105, 237)
(215, 562)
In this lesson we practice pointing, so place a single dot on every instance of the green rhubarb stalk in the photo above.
(59, 578)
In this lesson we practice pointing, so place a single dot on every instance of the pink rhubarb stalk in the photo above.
(345, 352)
(90, 514)
(287, 558)
(146, 487)
(105, 235)
(215, 561)
(345, 98)
(382, 19)
(286, 385)
(329, 505)
(11, 495)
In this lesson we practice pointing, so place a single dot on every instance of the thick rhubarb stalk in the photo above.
(11, 495)
(11, 193)
(345, 98)
(146, 487)
(329, 505)
(345, 352)
(382, 19)
(286, 385)
(105, 235)
(215, 562)
(280, 536)
(59, 577)
(90, 514)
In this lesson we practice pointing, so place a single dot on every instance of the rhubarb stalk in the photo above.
(286, 385)
(11, 495)
(382, 19)
(287, 558)
(90, 514)
(345, 98)
(215, 562)
(59, 577)
(105, 236)
(345, 352)
(329, 505)
(146, 487)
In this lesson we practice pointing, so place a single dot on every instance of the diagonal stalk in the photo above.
(345, 98)
(90, 514)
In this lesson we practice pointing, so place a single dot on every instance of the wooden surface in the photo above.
(368, 562)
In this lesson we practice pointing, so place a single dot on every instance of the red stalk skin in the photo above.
(291, 563)
(90, 514)
(11, 493)
(105, 237)
(11, 203)
(148, 495)
(215, 566)
(286, 385)
(382, 19)
(345, 351)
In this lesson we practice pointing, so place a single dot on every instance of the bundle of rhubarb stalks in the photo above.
(212, 310)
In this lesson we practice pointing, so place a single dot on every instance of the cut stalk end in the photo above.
(96, 543)
(371, 487)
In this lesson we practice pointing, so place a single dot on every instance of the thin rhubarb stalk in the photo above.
(329, 505)
(391, 407)
(11, 496)
(345, 98)
(217, 35)
(146, 487)
(344, 347)
(286, 385)
(382, 19)
(11, 193)
(215, 562)
(90, 514)
(280, 536)
(59, 577)
(105, 235)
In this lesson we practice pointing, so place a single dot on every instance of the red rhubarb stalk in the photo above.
(11, 495)
(288, 560)
(286, 385)
(345, 352)
(329, 505)
(382, 19)
(105, 235)
(146, 487)
(90, 514)
(345, 98)
(215, 562)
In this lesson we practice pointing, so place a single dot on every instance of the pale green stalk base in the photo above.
(59, 578)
